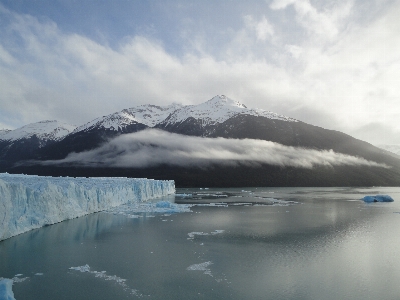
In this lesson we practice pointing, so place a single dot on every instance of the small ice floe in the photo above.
(39, 274)
(19, 279)
(218, 204)
(103, 275)
(201, 267)
(378, 198)
(133, 210)
(183, 195)
(193, 234)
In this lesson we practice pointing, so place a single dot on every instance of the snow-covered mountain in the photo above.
(43, 130)
(23, 142)
(100, 130)
(219, 117)
(215, 111)
(218, 110)
(4, 131)
(199, 120)
(149, 115)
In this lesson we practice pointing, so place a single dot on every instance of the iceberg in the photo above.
(6, 292)
(30, 201)
(378, 198)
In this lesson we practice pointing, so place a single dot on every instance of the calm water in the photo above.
(324, 244)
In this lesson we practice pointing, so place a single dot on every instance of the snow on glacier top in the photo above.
(46, 130)
(218, 110)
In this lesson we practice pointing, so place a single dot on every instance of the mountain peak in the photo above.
(46, 130)
(222, 100)
(217, 110)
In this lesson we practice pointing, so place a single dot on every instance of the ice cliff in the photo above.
(28, 202)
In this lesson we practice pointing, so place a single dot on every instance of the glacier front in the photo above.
(29, 201)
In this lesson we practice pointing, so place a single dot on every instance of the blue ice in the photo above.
(378, 198)
(6, 292)
(61, 198)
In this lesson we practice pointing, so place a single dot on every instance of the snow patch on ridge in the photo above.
(218, 110)
(116, 121)
(149, 115)
(45, 130)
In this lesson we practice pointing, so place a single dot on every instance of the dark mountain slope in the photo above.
(240, 176)
(218, 117)
(84, 140)
(300, 134)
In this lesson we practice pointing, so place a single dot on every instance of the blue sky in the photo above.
(334, 64)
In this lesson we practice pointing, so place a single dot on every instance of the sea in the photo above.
(241, 243)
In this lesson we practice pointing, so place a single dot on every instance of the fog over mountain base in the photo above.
(220, 142)
(152, 148)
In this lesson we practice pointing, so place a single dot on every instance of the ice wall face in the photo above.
(28, 202)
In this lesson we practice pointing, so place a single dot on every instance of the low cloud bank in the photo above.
(150, 148)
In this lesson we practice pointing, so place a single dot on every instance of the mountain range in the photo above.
(226, 126)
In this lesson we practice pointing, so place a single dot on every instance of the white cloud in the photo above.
(342, 70)
(294, 50)
(263, 28)
(155, 147)
(325, 24)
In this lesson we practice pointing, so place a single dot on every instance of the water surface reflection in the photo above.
(327, 244)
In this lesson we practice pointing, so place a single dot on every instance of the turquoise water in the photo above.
(264, 243)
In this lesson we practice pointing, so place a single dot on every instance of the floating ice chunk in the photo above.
(6, 292)
(164, 204)
(84, 268)
(19, 279)
(193, 234)
(103, 275)
(201, 267)
(184, 195)
(378, 198)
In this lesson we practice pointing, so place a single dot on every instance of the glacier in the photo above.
(30, 201)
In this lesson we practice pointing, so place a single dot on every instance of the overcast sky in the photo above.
(335, 64)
